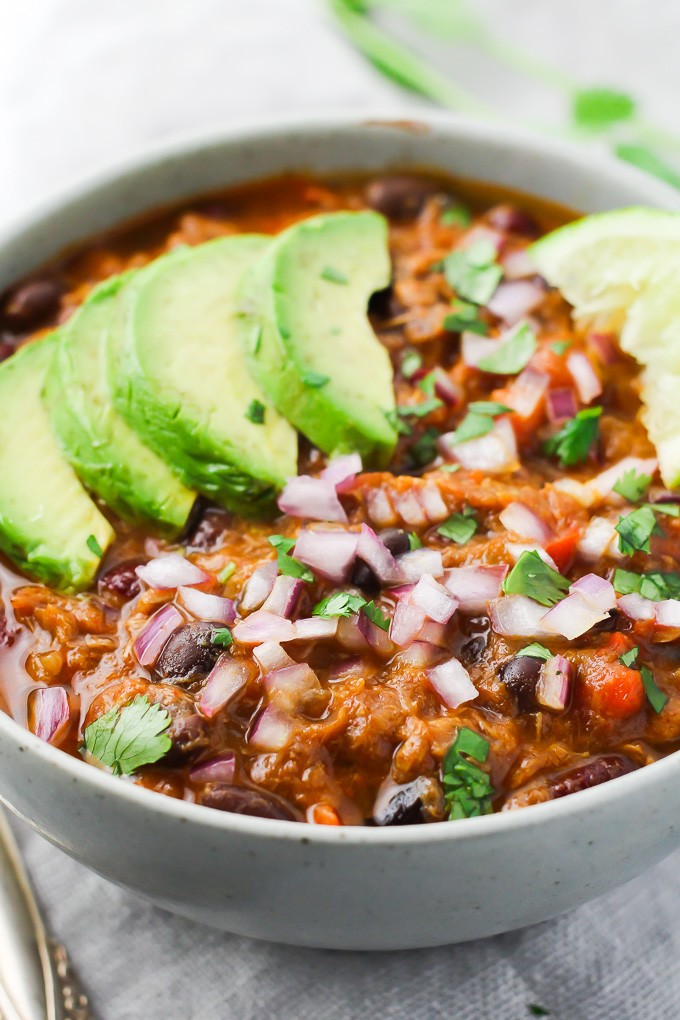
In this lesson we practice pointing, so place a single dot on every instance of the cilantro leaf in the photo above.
(333, 275)
(513, 354)
(464, 317)
(655, 585)
(401, 427)
(473, 272)
(573, 441)
(94, 546)
(597, 109)
(255, 412)
(288, 565)
(127, 738)
(413, 541)
(635, 530)
(226, 572)
(535, 651)
(343, 603)
(376, 615)
(420, 410)
(632, 486)
(456, 216)
(222, 637)
(629, 658)
(655, 696)
(459, 527)
(560, 346)
(491, 407)
(532, 577)
(670, 509)
(411, 363)
(467, 788)
(424, 450)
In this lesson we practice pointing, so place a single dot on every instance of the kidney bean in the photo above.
(121, 581)
(399, 197)
(513, 220)
(590, 773)
(189, 733)
(397, 542)
(241, 800)
(615, 621)
(188, 654)
(520, 676)
(206, 527)
(418, 801)
(32, 303)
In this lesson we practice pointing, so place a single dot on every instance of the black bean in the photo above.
(385, 304)
(513, 220)
(189, 733)
(121, 581)
(520, 676)
(207, 527)
(418, 801)
(399, 197)
(590, 773)
(614, 621)
(32, 303)
(397, 541)
(189, 654)
(241, 800)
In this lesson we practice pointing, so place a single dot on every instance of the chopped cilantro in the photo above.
(411, 363)
(315, 380)
(376, 615)
(420, 410)
(635, 530)
(459, 527)
(560, 346)
(532, 577)
(413, 541)
(450, 468)
(424, 450)
(632, 486)
(456, 216)
(464, 317)
(670, 509)
(656, 697)
(535, 651)
(597, 109)
(573, 441)
(655, 585)
(222, 637)
(288, 565)
(343, 603)
(629, 658)
(473, 272)
(255, 412)
(467, 788)
(479, 420)
(334, 276)
(513, 354)
(226, 572)
(491, 407)
(401, 427)
(94, 546)
(127, 738)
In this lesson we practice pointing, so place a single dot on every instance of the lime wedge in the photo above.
(661, 416)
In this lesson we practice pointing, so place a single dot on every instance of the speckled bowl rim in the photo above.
(110, 786)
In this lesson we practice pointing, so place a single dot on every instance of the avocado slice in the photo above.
(309, 342)
(106, 454)
(49, 525)
(181, 380)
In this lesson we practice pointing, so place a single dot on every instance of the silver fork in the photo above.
(36, 979)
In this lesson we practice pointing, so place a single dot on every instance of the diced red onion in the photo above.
(518, 616)
(432, 633)
(474, 587)
(378, 639)
(341, 669)
(516, 549)
(315, 628)
(599, 539)
(452, 683)
(288, 686)
(261, 626)
(606, 347)
(270, 655)
(379, 508)
(636, 607)
(526, 393)
(421, 654)
(284, 596)
(514, 300)
(342, 469)
(432, 503)
(445, 388)
(603, 484)
(494, 453)
(554, 683)
(409, 509)
(474, 348)
(272, 730)
(523, 521)
(227, 677)
(407, 623)
(212, 608)
(518, 264)
(402, 591)
(217, 770)
(421, 561)
(586, 379)
(312, 498)
(573, 616)
(482, 233)
(349, 635)
(668, 613)
(596, 590)
(375, 554)
(433, 599)
(561, 404)
(149, 643)
(51, 711)
(258, 586)
(329, 553)
(583, 494)
(170, 571)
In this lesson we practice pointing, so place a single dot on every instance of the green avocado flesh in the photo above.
(108, 457)
(308, 339)
(49, 525)
(181, 380)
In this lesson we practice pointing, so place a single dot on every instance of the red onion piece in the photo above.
(402, 591)
(170, 571)
(445, 388)
(284, 596)
(342, 469)
(605, 346)
(432, 633)
(258, 586)
(271, 731)
(515, 299)
(288, 687)
(373, 552)
(523, 521)
(329, 553)
(379, 508)
(482, 233)
(434, 600)
(377, 638)
(586, 379)
(561, 404)
(554, 683)
(452, 683)
(573, 616)
(270, 655)
(596, 590)
(421, 654)
(603, 484)
(518, 264)
(407, 623)
(349, 634)
(494, 453)
(474, 587)
(599, 539)
(311, 498)
(227, 677)
(341, 669)
(636, 607)
(409, 509)
(526, 393)
(261, 626)
(417, 562)
(51, 711)
(474, 348)
(668, 613)
(217, 770)
(518, 616)
(149, 643)
(212, 608)
(315, 628)
(432, 503)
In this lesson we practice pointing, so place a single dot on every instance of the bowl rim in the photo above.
(262, 130)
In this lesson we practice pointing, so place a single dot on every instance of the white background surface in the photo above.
(83, 82)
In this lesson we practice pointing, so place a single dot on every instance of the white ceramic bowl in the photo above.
(349, 888)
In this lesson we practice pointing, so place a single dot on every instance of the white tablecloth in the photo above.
(82, 82)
